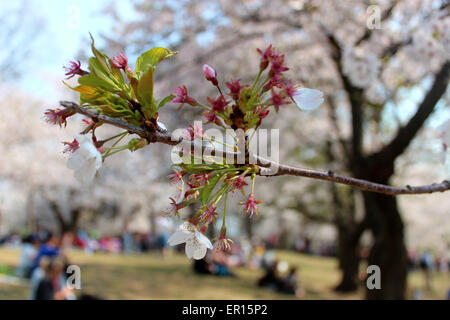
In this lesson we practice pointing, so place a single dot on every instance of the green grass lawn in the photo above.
(149, 276)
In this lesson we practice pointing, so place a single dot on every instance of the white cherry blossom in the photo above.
(86, 160)
(196, 243)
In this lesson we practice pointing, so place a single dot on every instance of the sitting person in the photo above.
(290, 284)
(202, 266)
(29, 253)
(220, 265)
(49, 249)
(270, 279)
(50, 286)
(37, 275)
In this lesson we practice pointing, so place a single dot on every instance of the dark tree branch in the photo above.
(394, 48)
(63, 225)
(355, 96)
(406, 134)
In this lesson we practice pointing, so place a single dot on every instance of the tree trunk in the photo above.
(348, 256)
(388, 251)
(248, 226)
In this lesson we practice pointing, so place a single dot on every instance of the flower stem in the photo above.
(253, 181)
(203, 106)
(122, 135)
(225, 206)
(263, 83)
(116, 136)
(118, 149)
(257, 79)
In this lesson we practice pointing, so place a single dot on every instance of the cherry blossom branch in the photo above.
(158, 135)
(363, 185)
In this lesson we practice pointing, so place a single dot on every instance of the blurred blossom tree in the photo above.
(48, 197)
(363, 72)
(93, 214)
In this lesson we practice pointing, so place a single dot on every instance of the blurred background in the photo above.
(383, 66)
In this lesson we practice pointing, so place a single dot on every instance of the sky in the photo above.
(67, 24)
(66, 28)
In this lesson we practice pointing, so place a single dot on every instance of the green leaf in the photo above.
(145, 88)
(151, 58)
(92, 80)
(133, 84)
(101, 57)
(83, 89)
(116, 111)
(165, 100)
(96, 68)
(205, 192)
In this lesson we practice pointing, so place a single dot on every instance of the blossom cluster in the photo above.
(360, 66)
(239, 107)
(431, 43)
(210, 187)
(244, 106)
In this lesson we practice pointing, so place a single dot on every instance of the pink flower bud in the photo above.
(181, 96)
(235, 88)
(210, 74)
(277, 66)
(266, 57)
(74, 68)
(193, 132)
(261, 112)
(238, 184)
(176, 177)
(120, 61)
(209, 214)
(71, 147)
(211, 117)
(277, 99)
(250, 206)
(219, 104)
(58, 116)
(223, 243)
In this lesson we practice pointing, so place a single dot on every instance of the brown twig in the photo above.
(162, 136)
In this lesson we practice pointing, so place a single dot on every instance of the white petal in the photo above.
(89, 150)
(98, 161)
(199, 253)
(308, 99)
(186, 226)
(203, 240)
(85, 175)
(162, 125)
(189, 249)
(179, 237)
(86, 160)
(81, 138)
(75, 161)
(195, 249)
